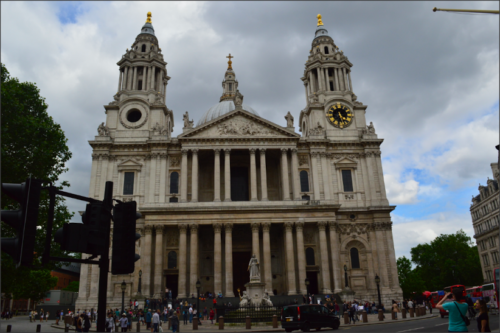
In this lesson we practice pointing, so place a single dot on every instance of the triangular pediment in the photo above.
(346, 163)
(129, 164)
(239, 123)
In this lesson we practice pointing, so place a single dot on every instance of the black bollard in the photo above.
(9, 328)
(38, 328)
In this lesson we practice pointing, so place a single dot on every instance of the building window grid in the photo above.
(494, 255)
(486, 260)
(128, 183)
(489, 276)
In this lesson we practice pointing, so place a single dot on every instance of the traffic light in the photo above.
(124, 237)
(23, 220)
(91, 236)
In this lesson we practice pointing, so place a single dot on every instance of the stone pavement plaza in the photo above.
(22, 324)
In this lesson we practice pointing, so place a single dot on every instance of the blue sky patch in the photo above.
(67, 11)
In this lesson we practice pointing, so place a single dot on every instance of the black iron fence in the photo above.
(238, 314)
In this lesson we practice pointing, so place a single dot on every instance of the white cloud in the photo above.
(400, 192)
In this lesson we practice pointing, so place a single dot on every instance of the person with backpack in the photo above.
(86, 323)
(457, 310)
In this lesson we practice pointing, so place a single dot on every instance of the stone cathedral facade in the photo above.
(309, 206)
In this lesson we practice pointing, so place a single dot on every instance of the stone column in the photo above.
(315, 175)
(158, 261)
(370, 163)
(381, 254)
(194, 176)
(120, 80)
(144, 78)
(227, 174)
(253, 176)
(378, 162)
(295, 175)
(325, 268)
(228, 227)
(163, 176)
(335, 248)
(290, 261)
(301, 258)
(284, 174)
(182, 261)
(255, 240)
(125, 79)
(152, 178)
(327, 184)
(321, 78)
(150, 77)
(393, 268)
(184, 176)
(311, 82)
(84, 273)
(217, 175)
(366, 184)
(266, 256)
(160, 80)
(344, 79)
(327, 80)
(350, 82)
(217, 259)
(194, 258)
(336, 79)
(263, 174)
(146, 262)
(307, 95)
(94, 283)
(134, 79)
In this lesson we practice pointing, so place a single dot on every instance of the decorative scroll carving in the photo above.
(159, 228)
(127, 199)
(349, 196)
(255, 226)
(318, 130)
(299, 226)
(288, 226)
(182, 228)
(174, 161)
(217, 227)
(148, 229)
(262, 151)
(303, 160)
(193, 227)
(334, 225)
(382, 226)
(184, 151)
(347, 229)
(322, 225)
(266, 226)
(252, 151)
(228, 227)
(340, 156)
(103, 130)
(159, 130)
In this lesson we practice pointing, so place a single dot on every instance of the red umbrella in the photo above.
(427, 294)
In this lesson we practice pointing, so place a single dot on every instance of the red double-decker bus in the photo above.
(457, 286)
(475, 293)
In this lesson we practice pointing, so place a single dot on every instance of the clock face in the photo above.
(339, 115)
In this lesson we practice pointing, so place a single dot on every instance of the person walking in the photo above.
(395, 309)
(205, 313)
(483, 320)
(110, 322)
(86, 323)
(185, 315)
(174, 322)
(190, 314)
(456, 309)
(212, 315)
(41, 315)
(79, 323)
(124, 322)
(352, 313)
(149, 316)
(156, 321)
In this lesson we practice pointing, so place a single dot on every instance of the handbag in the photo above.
(465, 319)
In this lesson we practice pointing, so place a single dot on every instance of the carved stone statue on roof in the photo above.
(289, 119)
(187, 123)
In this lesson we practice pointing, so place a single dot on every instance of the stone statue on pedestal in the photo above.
(253, 267)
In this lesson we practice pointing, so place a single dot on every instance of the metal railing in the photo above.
(258, 314)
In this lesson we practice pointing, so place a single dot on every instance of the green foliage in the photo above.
(409, 279)
(448, 260)
(73, 286)
(31, 143)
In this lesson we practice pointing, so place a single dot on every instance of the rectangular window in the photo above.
(486, 260)
(230, 87)
(139, 86)
(489, 276)
(347, 179)
(128, 183)
(495, 257)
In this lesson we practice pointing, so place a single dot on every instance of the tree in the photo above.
(409, 279)
(32, 144)
(73, 286)
(448, 260)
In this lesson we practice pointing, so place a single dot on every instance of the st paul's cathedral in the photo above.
(310, 205)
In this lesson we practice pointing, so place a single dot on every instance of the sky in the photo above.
(430, 80)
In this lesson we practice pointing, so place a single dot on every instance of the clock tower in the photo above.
(332, 110)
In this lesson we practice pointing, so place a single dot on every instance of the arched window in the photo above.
(310, 257)
(354, 258)
(326, 50)
(304, 181)
(143, 48)
(172, 260)
(174, 182)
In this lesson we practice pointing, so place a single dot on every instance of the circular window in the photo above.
(134, 116)
(352, 216)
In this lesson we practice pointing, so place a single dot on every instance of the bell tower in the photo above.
(332, 109)
(230, 84)
(140, 102)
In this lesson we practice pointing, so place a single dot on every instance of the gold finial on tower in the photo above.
(149, 18)
(320, 22)
(229, 63)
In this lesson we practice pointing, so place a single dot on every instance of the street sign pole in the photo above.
(104, 266)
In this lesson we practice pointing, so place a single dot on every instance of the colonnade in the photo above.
(285, 181)
(319, 80)
(150, 75)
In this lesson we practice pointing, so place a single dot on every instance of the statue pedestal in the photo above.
(256, 291)
(347, 294)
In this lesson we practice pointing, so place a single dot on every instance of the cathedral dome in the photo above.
(220, 109)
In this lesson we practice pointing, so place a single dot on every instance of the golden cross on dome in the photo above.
(229, 63)
(149, 18)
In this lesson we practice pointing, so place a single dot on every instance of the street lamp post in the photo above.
(140, 277)
(345, 276)
(307, 288)
(377, 280)
(198, 286)
(124, 286)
